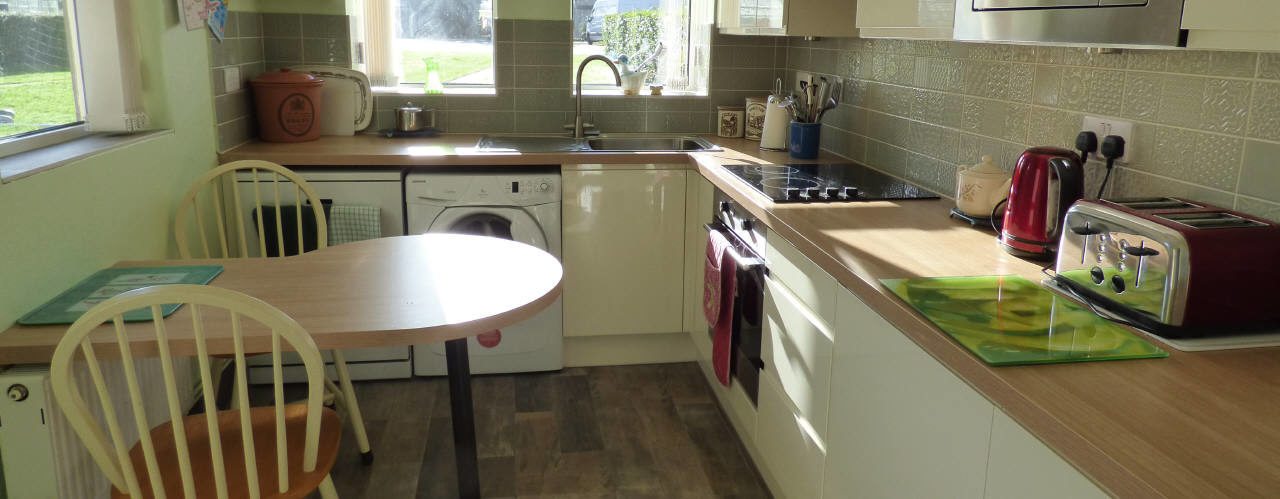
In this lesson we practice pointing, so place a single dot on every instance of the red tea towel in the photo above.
(719, 283)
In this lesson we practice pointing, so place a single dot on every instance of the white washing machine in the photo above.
(518, 205)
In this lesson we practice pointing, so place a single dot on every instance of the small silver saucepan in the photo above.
(411, 118)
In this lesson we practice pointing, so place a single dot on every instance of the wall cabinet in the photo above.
(1232, 24)
(624, 240)
(787, 17)
(914, 19)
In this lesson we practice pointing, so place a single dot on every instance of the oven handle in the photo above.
(743, 257)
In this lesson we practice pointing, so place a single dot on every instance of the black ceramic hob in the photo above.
(826, 183)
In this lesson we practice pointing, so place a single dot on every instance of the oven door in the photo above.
(748, 312)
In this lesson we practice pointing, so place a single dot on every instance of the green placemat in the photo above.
(72, 303)
(1009, 320)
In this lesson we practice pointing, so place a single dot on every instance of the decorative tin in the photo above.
(755, 117)
(729, 121)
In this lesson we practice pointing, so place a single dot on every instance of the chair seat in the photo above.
(262, 423)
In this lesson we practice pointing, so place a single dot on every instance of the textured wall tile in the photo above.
(934, 141)
(677, 122)
(891, 68)
(1259, 208)
(1142, 96)
(974, 147)
(849, 64)
(824, 61)
(742, 79)
(1044, 89)
(1127, 183)
(1001, 52)
(282, 49)
(890, 99)
(1002, 120)
(282, 25)
(798, 58)
(1225, 107)
(886, 157)
(617, 122)
(1147, 60)
(1105, 92)
(939, 74)
(1073, 88)
(1054, 128)
(326, 51)
(1260, 176)
(938, 176)
(1269, 66)
(557, 77)
(249, 24)
(937, 108)
(1181, 101)
(1266, 111)
(1241, 64)
(999, 80)
(542, 99)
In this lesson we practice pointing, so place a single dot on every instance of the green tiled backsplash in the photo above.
(1207, 124)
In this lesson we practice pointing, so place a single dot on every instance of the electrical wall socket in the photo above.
(801, 76)
(231, 78)
(1108, 126)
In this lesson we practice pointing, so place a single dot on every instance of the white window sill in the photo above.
(409, 90)
(29, 163)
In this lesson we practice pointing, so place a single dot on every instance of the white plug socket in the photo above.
(1109, 126)
(801, 76)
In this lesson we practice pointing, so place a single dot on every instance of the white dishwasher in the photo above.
(381, 188)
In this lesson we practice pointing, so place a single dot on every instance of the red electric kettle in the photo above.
(1046, 181)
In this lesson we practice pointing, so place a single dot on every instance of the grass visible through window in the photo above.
(36, 100)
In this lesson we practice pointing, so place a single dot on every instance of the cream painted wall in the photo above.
(61, 225)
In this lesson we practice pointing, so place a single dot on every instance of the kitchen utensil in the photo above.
(804, 140)
(1009, 320)
(1046, 181)
(411, 118)
(980, 188)
(830, 104)
(1174, 267)
(289, 105)
(776, 118)
(343, 85)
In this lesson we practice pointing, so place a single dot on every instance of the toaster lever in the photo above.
(1085, 230)
(1140, 251)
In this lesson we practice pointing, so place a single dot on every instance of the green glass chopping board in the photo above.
(1009, 320)
(106, 283)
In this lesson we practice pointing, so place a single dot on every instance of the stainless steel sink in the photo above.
(629, 144)
(608, 143)
(530, 143)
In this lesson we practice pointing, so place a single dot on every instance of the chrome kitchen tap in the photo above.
(578, 125)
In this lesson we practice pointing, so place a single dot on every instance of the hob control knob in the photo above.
(848, 193)
(831, 192)
(790, 193)
(811, 193)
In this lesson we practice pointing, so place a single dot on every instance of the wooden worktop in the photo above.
(1192, 425)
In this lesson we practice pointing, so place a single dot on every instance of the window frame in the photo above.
(686, 47)
(65, 132)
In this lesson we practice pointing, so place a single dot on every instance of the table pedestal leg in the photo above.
(464, 424)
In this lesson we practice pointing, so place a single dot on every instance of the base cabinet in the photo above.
(624, 239)
(902, 424)
(790, 447)
(1022, 466)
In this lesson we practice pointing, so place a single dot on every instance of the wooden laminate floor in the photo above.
(623, 431)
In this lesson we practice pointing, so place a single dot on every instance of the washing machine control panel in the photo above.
(454, 189)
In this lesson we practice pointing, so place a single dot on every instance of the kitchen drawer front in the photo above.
(792, 453)
(797, 349)
(811, 285)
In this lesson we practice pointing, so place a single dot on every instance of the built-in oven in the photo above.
(746, 238)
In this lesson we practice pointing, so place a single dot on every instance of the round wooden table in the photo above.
(382, 292)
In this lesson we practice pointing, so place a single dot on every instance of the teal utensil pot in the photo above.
(805, 139)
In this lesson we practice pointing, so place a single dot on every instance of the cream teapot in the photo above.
(980, 188)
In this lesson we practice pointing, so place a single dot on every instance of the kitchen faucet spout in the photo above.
(578, 128)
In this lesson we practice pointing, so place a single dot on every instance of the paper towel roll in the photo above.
(776, 122)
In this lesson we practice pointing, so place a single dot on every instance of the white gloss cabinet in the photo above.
(792, 452)
(1232, 24)
(624, 240)
(909, 19)
(902, 424)
(797, 350)
(787, 17)
(1021, 466)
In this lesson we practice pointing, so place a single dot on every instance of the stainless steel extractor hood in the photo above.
(1137, 23)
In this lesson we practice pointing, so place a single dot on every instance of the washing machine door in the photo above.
(513, 224)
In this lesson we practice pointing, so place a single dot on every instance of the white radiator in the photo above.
(41, 455)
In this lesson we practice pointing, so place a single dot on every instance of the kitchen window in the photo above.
(435, 44)
(667, 40)
(40, 100)
(67, 68)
